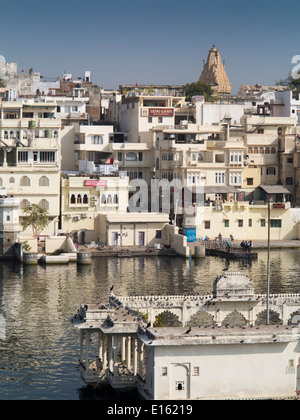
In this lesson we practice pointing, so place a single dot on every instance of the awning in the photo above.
(275, 189)
(219, 189)
(214, 189)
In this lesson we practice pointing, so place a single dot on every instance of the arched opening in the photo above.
(234, 319)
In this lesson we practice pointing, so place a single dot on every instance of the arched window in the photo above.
(79, 199)
(103, 199)
(25, 181)
(73, 199)
(250, 150)
(261, 150)
(273, 151)
(11, 135)
(267, 150)
(44, 181)
(255, 150)
(116, 199)
(109, 199)
(12, 180)
(44, 204)
(6, 135)
(85, 199)
(25, 135)
(24, 204)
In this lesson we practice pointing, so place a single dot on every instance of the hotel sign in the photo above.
(160, 112)
(95, 183)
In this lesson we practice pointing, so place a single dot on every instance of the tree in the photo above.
(36, 218)
(198, 88)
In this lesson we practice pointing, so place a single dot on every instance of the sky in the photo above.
(151, 42)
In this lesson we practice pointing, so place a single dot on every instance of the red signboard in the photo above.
(278, 206)
(161, 112)
(95, 183)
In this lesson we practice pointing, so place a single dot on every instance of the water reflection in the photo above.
(39, 358)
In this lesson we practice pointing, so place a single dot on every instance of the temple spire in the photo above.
(214, 73)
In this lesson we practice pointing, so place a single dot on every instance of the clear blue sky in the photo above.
(166, 41)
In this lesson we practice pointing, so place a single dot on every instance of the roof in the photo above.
(219, 189)
(275, 189)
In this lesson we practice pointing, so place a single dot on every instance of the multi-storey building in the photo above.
(30, 156)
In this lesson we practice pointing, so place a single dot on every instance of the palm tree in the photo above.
(36, 218)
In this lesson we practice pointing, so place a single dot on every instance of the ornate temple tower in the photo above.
(214, 73)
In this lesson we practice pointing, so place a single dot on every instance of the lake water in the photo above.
(40, 350)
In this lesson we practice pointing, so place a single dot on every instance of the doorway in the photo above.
(141, 238)
(114, 238)
(180, 382)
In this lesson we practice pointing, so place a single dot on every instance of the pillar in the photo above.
(104, 360)
(81, 345)
(110, 353)
(141, 358)
(128, 357)
(135, 356)
(87, 350)
(123, 348)
(115, 354)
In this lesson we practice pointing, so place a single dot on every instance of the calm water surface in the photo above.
(39, 356)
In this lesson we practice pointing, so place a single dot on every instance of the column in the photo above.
(135, 356)
(115, 354)
(100, 346)
(87, 349)
(141, 358)
(110, 355)
(128, 358)
(104, 352)
(123, 350)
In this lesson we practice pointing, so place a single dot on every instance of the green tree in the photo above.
(36, 218)
(198, 88)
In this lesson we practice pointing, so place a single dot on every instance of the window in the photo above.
(24, 204)
(236, 157)
(109, 199)
(116, 199)
(226, 223)
(250, 222)
(22, 157)
(85, 199)
(271, 170)
(289, 181)
(160, 120)
(260, 131)
(220, 177)
(149, 119)
(25, 181)
(73, 199)
(140, 156)
(44, 181)
(275, 223)
(97, 140)
(207, 224)
(235, 178)
(164, 371)
(79, 199)
(196, 371)
(103, 199)
(289, 160)
(12, 180)
(131, 157)
(263, 222)
(47, 157)
(240, 223)
(120, 156)
(44, 204)
(158, 234)
(179, 386)
(249, 181)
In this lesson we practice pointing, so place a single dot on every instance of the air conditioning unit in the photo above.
(76, 217)
(84, 215)
(69, 216)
